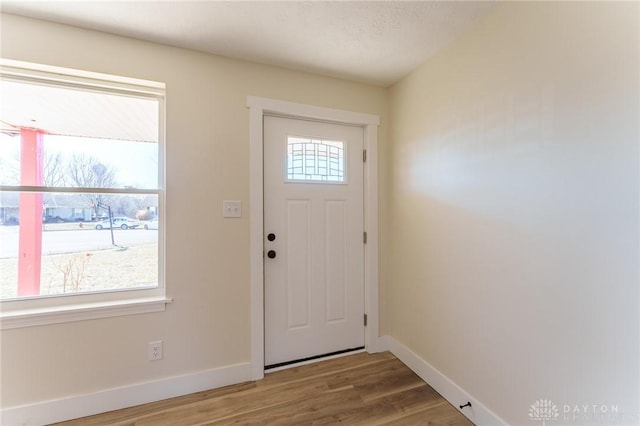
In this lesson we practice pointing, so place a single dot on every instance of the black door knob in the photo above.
(271, 237)
(271, 254)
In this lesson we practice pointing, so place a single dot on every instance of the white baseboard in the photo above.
(142, 393)
(479, 414)
(128, 396)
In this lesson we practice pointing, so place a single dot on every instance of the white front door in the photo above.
(313, 242)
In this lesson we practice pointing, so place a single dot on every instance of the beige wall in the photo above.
(207, 266)
(514, 211)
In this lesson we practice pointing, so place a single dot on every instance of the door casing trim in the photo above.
(258, 108)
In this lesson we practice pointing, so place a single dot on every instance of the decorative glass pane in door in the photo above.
(315, 160)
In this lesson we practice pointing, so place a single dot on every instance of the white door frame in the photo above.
(258, 108)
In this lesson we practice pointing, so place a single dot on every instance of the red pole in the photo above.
(30, 245)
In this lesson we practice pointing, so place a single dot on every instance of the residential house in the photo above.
(56, 208)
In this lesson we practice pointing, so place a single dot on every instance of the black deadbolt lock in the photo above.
(271, 237)
(271, 254)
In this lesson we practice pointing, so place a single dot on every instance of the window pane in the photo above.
(315, 160)
(77, 252)
(99, 163)
(85, 162)
(66, 135)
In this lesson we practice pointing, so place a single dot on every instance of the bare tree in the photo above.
(53, 169)
(126, 205)
(85, 171)
(10, 167)
(53, 173)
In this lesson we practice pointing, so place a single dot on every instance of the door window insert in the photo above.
(315, 160)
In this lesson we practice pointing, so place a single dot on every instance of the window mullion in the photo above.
(77, 190)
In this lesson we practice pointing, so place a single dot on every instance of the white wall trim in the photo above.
(371, 302)
(80, 312)
(478, 413)
(114, 399)
(258, 107)
(292, 109)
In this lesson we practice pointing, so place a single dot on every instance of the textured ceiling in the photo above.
(372, 42)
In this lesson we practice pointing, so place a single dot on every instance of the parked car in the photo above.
(152, 224)
(118, 222)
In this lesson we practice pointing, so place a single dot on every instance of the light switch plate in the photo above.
(231, 208)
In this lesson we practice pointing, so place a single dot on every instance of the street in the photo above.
(75, 240)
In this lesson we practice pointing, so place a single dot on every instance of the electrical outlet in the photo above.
(155, 350)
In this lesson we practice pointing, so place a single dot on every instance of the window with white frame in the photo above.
(81, 186)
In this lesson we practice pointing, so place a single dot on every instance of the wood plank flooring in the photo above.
(358, 389)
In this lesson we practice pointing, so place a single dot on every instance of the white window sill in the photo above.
(80, 312)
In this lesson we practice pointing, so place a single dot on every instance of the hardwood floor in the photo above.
(359, 389)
